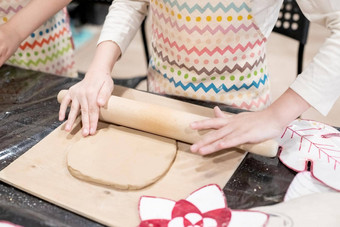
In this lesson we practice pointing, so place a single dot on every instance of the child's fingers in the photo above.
(2, 60)
(63, 106)
(94, 119)
(213, 123)
(89, 102)
(232, 142)
(104, 93)
(72, 115)
(210, 148)
(85, 117)
(210, 138)
(218, 112)
(231, 139)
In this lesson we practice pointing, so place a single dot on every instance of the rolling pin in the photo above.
(164, 121)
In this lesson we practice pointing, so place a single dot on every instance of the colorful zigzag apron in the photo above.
(208, 50)
(49, 49)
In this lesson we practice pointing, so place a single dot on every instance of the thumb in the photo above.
(218, 112)
(104, 94)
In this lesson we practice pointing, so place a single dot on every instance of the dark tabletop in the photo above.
(29, 112)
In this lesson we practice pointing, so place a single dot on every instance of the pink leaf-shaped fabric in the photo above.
(306, 141)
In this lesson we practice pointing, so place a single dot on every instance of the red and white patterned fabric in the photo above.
(206, 207)
(306, 141)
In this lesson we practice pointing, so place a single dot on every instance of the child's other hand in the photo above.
(9, 42)
(87, 97)
(233, 130)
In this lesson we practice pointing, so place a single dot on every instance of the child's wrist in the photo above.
(98, 72)
(276, 117)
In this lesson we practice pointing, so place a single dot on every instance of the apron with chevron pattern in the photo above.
(208, 50)
(48, 49)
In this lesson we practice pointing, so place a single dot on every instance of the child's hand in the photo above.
(9, 42)
(93, 91)
(233, 130)
(87, 97)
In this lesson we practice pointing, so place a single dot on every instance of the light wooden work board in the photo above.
(42, 172)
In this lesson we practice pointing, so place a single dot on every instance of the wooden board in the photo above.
(42, 172)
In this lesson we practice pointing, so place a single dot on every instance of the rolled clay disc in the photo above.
(120, 157)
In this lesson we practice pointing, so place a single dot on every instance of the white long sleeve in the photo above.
(319, 83)
(123, 21)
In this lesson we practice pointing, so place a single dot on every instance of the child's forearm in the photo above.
(288, 107)
(105, 57)
(34, 14)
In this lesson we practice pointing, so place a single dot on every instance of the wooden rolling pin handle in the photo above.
(164, 121)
